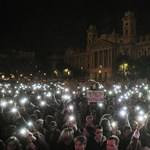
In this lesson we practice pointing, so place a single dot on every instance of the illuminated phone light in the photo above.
(23, 131)
(14, 110)
(100, 105)
(66, 97)
(30, 123)
(66, 90)
(11, 102)
(137, 108)
(73, 92)
(83, 89)
(124, 108)
(43, 103)
(58, 92)
(141, 112)
(49, 94)
(71, 107)
(140, 118)
(3, 104)
(114, 124)
(110, 92)
(145, 116)
(146, 88)
(119, 100)
(23, 100)
(71, 118)
(123, 113)
(38, 97)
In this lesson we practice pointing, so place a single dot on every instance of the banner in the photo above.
(94, 96)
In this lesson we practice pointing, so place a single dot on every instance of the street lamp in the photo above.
(67, 72)
(100, 72)
(82, 73)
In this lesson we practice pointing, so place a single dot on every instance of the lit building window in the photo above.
(123, 68)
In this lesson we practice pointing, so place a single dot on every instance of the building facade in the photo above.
(102, 50)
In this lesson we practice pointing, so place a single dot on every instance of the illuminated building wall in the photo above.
(102, 50)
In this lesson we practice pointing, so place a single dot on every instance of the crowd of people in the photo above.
(52, 116)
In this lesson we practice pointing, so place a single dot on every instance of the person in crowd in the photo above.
(2, 145)
(98, 142)
(125, 137)
(88, 132)
(72, 123)
(132, 113)
(28, 109)
(66, 139)
(65, 113)
(3, 125)
(47, 121)
(115, 129)
(110, 110)
(89, 121)
(38, 113)
(112, 143)
(12, 143)
(105, 122)
(34, 142)
(145, 133)
(38, 124)
(134, 125)
(58, 118)
(52, 135)
(80, 142)
(135, 143)
(32, 118)
(83, 109)
(11, 131)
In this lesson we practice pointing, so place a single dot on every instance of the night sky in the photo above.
(50, 26)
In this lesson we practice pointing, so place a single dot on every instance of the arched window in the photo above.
(139, 53)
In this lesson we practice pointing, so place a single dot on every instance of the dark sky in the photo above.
(54, 25)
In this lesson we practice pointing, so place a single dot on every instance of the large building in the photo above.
(102, 50)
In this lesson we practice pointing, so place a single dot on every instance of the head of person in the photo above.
(13, 117)
(80, 142)
(110, 110)
(107, 116)
(31, 144)
(48, 119)
(33, 118)
(89, 120)
(52, 126)
(38, 124)
(28, 108)
(66, 136)
(112, 143)
(107, 128)
(11, 130)
(134, 125)
(88, 131)
(98, 131)
(38, 114)
(12, 143)
(126, 131)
